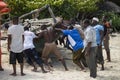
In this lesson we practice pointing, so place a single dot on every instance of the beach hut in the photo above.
(110, 7)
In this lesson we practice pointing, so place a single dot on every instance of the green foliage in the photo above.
(85, 5)
(65, 8)
(17, 7)
(116, 22)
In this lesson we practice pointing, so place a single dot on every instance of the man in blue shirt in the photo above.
(99, 38)
(75, 38)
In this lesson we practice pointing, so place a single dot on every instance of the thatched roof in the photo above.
(115, 1)
(110, 6)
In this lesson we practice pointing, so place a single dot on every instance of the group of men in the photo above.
(88, 43)
(20, 44)
(85, 43)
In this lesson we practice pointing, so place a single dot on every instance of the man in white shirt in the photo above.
(15, 45)
(90, 47)
(29, 49)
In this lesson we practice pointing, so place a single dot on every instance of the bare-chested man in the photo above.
(50, 46)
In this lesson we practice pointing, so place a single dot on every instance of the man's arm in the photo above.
(87, 49)
(101, 37)
(81, 33)
(36, 36)
(23, 38)
(39, 35)
(58, 29)
(9, 41)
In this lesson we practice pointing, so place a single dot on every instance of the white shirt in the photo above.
(16, 32)
(28, 40)
(90, 36)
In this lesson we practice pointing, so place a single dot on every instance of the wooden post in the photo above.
(1, 69)
(52, 15)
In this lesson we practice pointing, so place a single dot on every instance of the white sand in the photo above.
(111, 72)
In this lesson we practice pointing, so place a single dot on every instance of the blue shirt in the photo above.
(98, 28)
(74, 38)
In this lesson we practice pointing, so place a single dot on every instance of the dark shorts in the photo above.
(16, 56)
(32, 55)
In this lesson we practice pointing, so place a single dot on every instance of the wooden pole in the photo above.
(52, 15)
(1, 69)
(34, 11)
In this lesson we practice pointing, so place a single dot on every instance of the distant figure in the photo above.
(106, 39)
(31, 54)
(99, 38)
(50, 46)
(6, 26)
(15, 45)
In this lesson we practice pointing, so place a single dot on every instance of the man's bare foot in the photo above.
(22, 74)
(34, 70)
(83, 70)
(50, 69)
(66, 70)
(108, 60)
(13, 74)
(102, 69)
(44, 71)
(50, 64)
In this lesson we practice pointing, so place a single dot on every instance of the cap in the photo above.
(95, 19)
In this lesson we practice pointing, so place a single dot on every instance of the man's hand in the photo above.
(87, 53)
(100, 45)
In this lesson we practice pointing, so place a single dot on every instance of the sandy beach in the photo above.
(111, 72)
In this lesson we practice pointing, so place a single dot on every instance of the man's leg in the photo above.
(27, 55)
(106, 46)
(92, 60)
(42, 68)
(38, 60)
(13, 62)
(83, 59)
(78, 63)
(1, 69)
(19, 57)
(102, 60)
(14, 70)
(21, 69)
(64, 64)
(31, 62)
(46, 51)
(57, 53)
(34, 68)
(108, 56)
(100, 57)
(77, 57)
